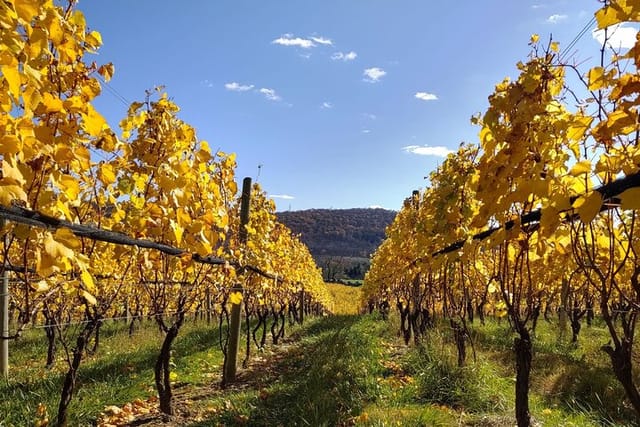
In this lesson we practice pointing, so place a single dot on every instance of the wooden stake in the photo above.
(4, 316)
(233, 345)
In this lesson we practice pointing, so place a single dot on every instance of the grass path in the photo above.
(333, 371)
(324, 374)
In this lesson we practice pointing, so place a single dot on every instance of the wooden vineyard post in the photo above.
(302, 305)
(127, 311)
(4, 316)
(233, 346)
(234, 337)
(208, 305)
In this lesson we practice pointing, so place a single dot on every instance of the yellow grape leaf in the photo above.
(12, 75)
(87, 280)
(235, 298)
(70, 186)
(618, 11)
(581, 167)
(11, 174)
(106, 71)
(563, 244)
(534, 38)
(56, 32)
(630, 199)
(67, 238)
(555, 46)
(106, 174)
(89, 297)
(26, 9)
(93, 121)
(40, 286)
(94, 39)
(45, 263)
(578, 128)
(63, 208)
(178, 230)
(10, 144)
(550, 220)
(56, 249)
(125, 185)
(596, 78)
(52, 104)
(606, 17)
(603, 241)
(11, 192)
(588, 206)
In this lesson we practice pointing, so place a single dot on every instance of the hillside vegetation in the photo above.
(339, 232)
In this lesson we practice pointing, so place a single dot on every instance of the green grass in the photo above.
(340, 370)
(324, 380)
(121, 371)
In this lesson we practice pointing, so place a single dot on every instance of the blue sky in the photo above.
(343, 103)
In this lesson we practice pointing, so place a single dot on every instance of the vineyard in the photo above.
(138, 249)
(141, 225)
(537, 221)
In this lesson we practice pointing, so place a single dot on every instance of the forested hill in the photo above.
(339, 232)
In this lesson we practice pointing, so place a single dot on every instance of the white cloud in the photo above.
(620, 37)
(369, 116)
(375, 207)
(425, 96)
(538, 6)
(425, 150)
(308, 43)
(237, 87)
(206, 83)
(341, 56)
(373, 75)
(366, 131)
(556, 18)
(326, 105)
(281, 196)
(289, 40)
(270, 94)
(322, 40)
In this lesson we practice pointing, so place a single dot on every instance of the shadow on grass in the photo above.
(325, 380)
(587, 388)
(116, 374)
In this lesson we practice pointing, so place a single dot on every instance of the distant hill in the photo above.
(339, 239)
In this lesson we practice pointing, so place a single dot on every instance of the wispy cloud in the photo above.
(425, 96)
(304, 43)
(366, 131)
(373, 75)
(322, 40)
(375, 207)
(369, 116)
(281, 196)
(237, 87)
(341, 56)
(270, 94)
(206, 83)
(538, 6)
(326, 105)
(619, 36)
(290, 40)
(425, 150)
(556, 18)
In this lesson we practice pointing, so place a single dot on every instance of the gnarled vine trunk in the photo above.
(162, 369)
(523, 347)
